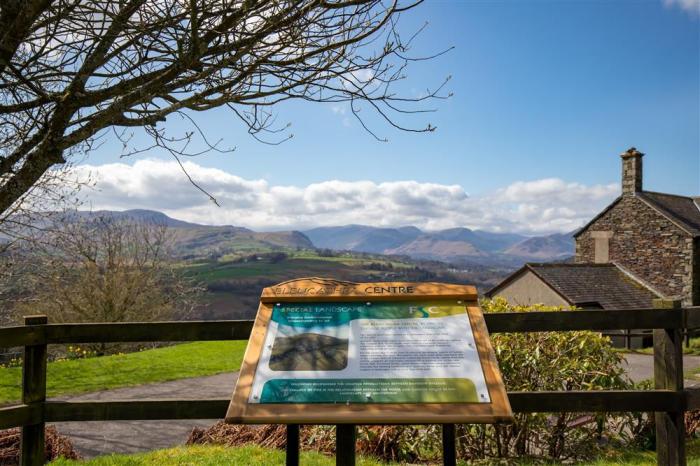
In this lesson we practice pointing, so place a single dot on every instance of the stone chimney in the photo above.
(631, 171)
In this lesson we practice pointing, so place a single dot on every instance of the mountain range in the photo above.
(455, 245)
(193, 240)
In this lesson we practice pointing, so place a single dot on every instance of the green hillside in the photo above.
(226, 241)
(234, 283)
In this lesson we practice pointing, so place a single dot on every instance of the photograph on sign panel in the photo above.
(312, 349)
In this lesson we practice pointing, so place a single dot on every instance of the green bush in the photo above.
(550, 361)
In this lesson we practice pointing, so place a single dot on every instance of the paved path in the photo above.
(641, 366)
(98, 438)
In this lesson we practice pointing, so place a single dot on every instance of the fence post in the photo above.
(449, 450)
(345, 444)
(668, 375)
(32, 450)
(628, 339)
(292, 449)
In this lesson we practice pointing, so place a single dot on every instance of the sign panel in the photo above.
(338, 352)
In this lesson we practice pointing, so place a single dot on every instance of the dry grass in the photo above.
(56, 446)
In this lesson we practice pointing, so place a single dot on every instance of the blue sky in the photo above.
(543, 90)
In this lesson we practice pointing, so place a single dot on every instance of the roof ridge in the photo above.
(691, 198)
(568, 264)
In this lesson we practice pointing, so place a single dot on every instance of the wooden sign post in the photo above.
(329, 352)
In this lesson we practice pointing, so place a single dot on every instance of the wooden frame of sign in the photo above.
(317, 290)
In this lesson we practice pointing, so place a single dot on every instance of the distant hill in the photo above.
(484, 241)
(361, 238)
(138, 215)
(217, 241)
(450, 245)
(432, 247)
(551, 247)
(192, 240)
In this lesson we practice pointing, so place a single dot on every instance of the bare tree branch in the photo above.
(72, 70)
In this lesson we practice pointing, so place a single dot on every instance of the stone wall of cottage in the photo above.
(649, 246)
(695, 279)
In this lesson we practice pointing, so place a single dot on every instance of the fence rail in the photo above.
(668, 400)
(515, 322)
(521, 402)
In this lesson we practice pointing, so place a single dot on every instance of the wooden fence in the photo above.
(668, 400)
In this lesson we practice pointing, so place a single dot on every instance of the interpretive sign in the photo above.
(323, 351)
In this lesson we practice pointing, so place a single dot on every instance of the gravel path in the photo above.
(99, 438)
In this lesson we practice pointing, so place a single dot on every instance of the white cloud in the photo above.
(692, 6)
(538, 206)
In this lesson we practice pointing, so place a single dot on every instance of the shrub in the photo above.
(541, 361)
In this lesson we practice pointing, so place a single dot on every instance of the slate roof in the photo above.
(589, 285)
(683, 210)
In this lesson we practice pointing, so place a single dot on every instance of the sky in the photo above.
(545, 96)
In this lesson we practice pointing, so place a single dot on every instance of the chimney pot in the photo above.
(631, 171)
(631, 152)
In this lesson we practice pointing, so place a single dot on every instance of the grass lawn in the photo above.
(205, 455)
(156, 365)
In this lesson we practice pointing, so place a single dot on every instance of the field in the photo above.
(234, 284)
(71, 377)
(298, 263)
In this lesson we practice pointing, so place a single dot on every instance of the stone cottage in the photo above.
(655, 237)
(651, 239)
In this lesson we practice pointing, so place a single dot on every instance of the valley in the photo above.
(233, 287)
(233, 264)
